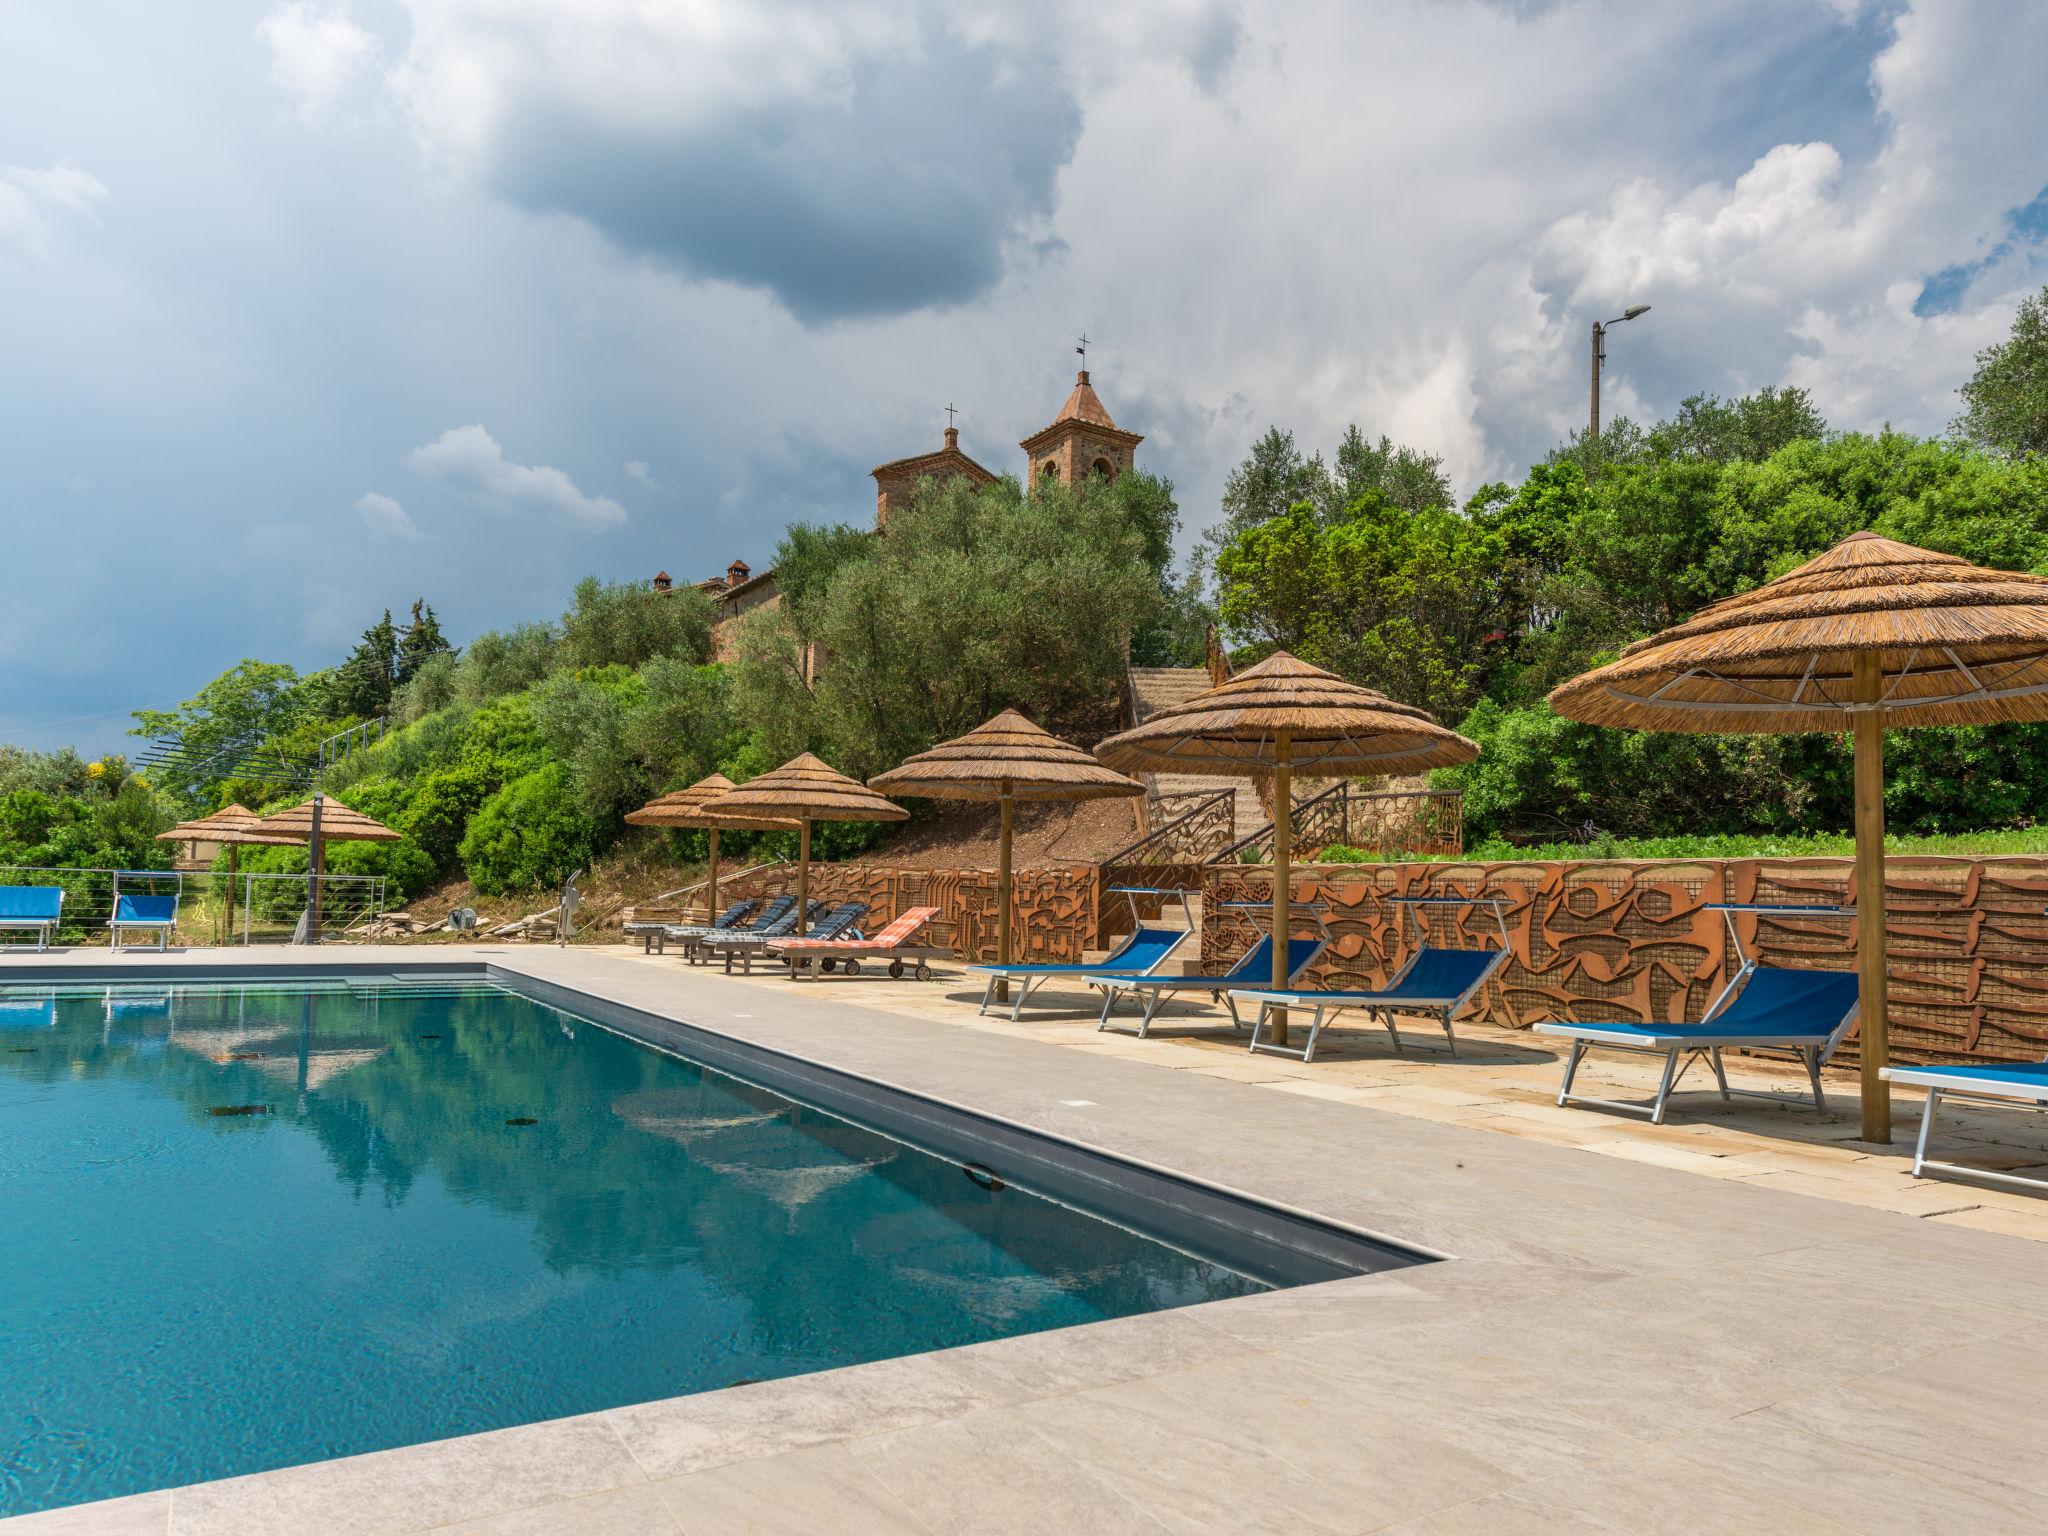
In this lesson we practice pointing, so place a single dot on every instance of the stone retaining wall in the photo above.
(1967, 937)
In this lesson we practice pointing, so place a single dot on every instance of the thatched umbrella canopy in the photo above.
(1006, 759)
(235, 826)
(1874, 633)
(685, 808)
(1281, 715)
(316, 823)
(805, 789)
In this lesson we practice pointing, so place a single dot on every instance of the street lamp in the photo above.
(1600, 356)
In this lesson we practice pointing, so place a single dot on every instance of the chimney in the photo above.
(662, 582)
(953, 439)
(736, 573)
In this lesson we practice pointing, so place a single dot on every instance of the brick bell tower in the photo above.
(1082, 440)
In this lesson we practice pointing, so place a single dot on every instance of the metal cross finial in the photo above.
(949, 415)
(1083, 349)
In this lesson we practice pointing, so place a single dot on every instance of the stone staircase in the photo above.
(1157, 688)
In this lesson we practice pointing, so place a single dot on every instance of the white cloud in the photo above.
(25, 192)
(382, 514)
(470, 458)
(638, 469)
(315, 56)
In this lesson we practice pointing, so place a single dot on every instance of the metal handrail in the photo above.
(1124, 855)
(1229, 855)
(1341, 790)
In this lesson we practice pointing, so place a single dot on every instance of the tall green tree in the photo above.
(976, 597)
(1412, 603)
(1407, 478)
(360, 688)
(421, 641)
(239, 712)
(2005, 403)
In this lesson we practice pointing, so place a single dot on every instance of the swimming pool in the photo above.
(253, 1225)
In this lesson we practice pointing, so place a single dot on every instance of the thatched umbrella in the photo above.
(685, 808)
(235, 826)
(1281, 715)
(1874, 633)
(805, 789)
(316, 823)
(1005, 760)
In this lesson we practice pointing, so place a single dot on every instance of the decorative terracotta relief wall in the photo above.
(1967, 937)
(1055, 908)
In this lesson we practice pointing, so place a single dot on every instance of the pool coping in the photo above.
(1552, 1246)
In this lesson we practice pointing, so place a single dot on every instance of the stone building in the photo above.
(1082, 440)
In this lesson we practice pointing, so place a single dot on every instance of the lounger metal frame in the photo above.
(1114, 986)
(1808, 1054)
(1974, 1091)
(1322, 1005)
(162, 925)
(1024, 983)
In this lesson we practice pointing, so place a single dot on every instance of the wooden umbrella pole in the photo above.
(711, 888)
(1283, 853)
(234, 860)
(1873, 1026)
(1006, 799)
(803, 872)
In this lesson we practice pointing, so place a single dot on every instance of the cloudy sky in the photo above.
(311, 308)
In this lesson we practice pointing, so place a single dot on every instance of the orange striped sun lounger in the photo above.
(818, 957)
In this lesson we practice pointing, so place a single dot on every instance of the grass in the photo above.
(2015, 840)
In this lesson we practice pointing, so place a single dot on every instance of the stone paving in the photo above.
(1656, 1336)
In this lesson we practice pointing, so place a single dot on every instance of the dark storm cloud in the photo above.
(907, 190)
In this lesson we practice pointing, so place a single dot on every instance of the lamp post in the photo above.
(1600, 356)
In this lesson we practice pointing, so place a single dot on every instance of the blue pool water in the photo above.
(365, 1251)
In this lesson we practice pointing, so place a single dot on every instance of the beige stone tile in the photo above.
(991, 1475)
(1878, 1494)
(1660, 1154)
(142, 1514)
(1916, 1198)
(796, 1493)
(1643, 1493)
(2032, 1225)
(1175, 1466)
(690, 1434)
(633, 1511)
(413, 1488)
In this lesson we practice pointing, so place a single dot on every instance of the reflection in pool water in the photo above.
(428, 1211)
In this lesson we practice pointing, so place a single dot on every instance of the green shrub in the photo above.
(531, 833)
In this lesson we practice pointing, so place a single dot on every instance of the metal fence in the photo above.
(213, 907)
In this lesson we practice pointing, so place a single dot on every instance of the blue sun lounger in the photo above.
(1140, 955)
(693, 935)
(1436, 980)
(156, 914)
(32, 907)
(1763, 1008)
(2020, 1083)
(654, 936)
(1256, 965)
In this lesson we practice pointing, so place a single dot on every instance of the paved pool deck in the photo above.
(1613, 1345)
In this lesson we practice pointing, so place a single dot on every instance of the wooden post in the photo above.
(318, 862)
(1873, 1025)
(1006, 799)
(803, 873)
(711, 888)
(1283, 853)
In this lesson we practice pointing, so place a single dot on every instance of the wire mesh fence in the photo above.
(213, 907)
